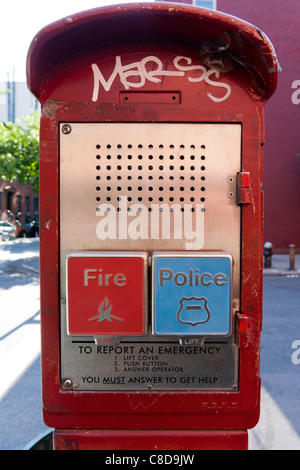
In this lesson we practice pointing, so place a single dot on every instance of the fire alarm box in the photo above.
(151, 219)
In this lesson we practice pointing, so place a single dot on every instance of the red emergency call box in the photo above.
(151, 225)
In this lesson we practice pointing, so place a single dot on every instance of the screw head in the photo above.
(66, 129)
(67, 383)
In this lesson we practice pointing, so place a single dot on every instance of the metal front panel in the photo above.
(149, 187)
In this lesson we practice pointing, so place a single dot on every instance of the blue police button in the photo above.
(192, 294)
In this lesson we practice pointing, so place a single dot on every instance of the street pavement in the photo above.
(21, 421)
(279, 425)
(281, 266)
(20, 390)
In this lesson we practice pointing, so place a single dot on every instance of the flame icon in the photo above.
(104, 310)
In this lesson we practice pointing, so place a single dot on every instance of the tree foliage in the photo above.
(19, 150)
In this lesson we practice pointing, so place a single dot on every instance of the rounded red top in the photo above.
(213, 31)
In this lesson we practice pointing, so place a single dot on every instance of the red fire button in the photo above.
(106, 294)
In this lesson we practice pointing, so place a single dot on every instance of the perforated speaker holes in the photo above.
(150, 174)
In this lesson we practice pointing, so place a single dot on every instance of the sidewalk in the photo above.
(281, 265)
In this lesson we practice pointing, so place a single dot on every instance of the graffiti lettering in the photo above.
(136, 74)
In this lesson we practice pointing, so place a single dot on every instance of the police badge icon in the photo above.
(193, 311)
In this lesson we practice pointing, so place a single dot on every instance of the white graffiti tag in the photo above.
(136, 74)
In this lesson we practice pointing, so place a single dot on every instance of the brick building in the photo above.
(15, 198)
(280, 22)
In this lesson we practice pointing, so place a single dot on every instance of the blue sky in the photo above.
(20, 20)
